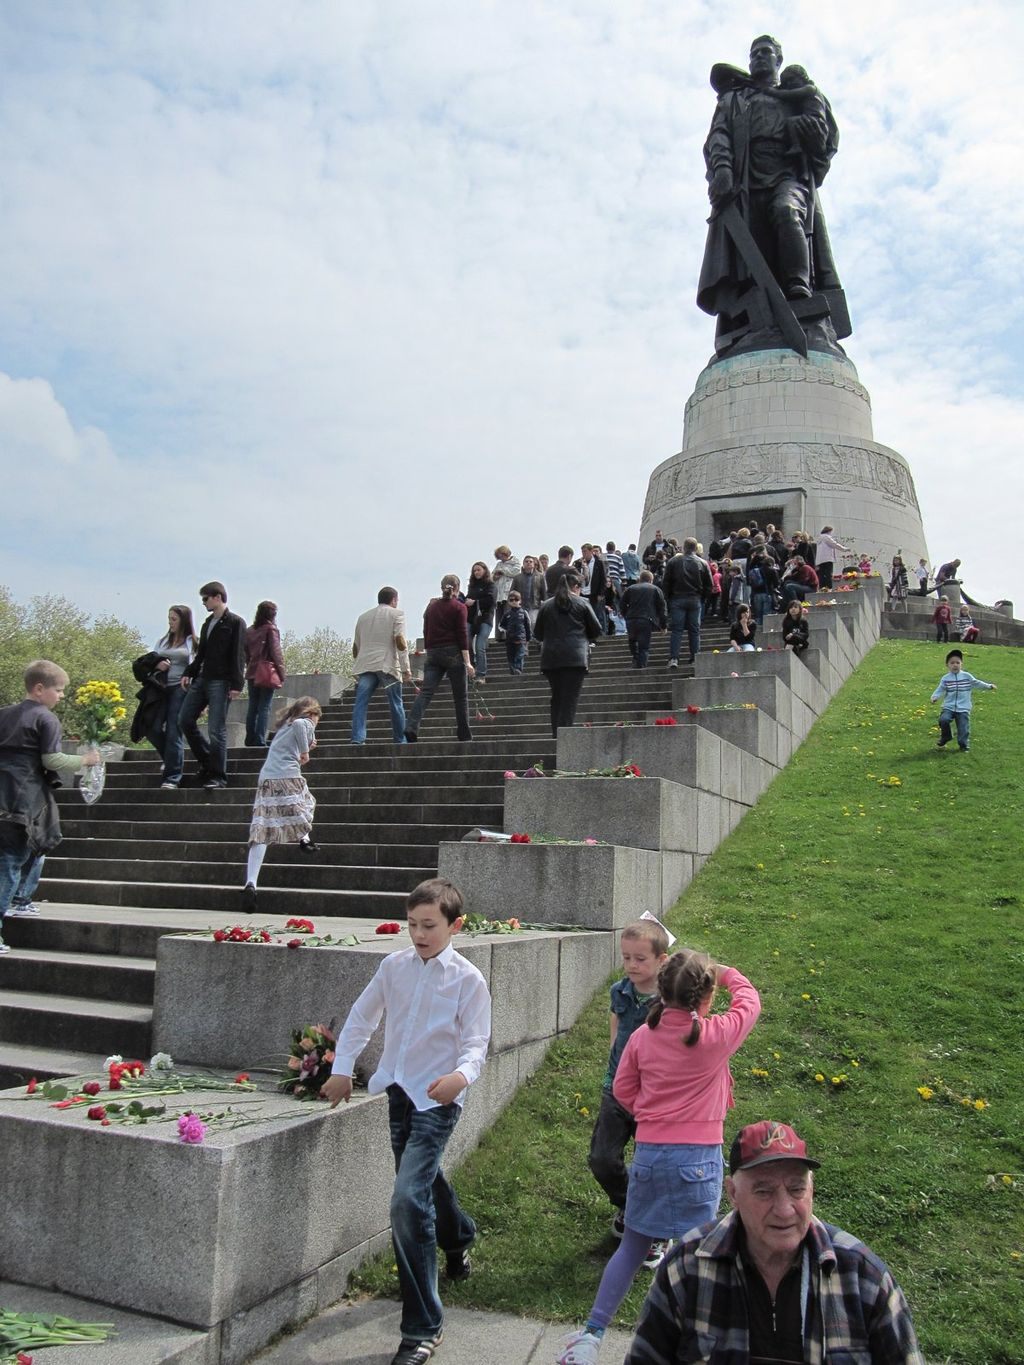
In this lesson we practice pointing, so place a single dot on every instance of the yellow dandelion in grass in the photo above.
(777, 1056)
(1014, 1255)
(980, 1105)
(926, 1092)
(760, 867)
(840, 1080)
(759, 1072)
(805, 996)
(1007, 1179)
(819, 1078)
(585, 1112)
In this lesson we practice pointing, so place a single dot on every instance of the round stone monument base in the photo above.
(782, 439)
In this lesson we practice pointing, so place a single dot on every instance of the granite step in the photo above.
(85, 975)
(223, 901)
(76, 1022)
(297, 872)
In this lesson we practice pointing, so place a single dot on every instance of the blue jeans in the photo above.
(425, 1211)
(165, 736)
(257, 717)
(439, 662)
(684, 614)
(365, 688)
(963, 727)
(211, 756)
(20, 870)
(761, 603)
(478, 638)
(515, 652)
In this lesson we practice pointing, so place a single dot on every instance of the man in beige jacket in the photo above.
(382, 660)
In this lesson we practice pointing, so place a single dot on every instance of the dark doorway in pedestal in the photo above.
(731, 520)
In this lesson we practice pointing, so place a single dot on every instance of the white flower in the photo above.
(161, 1061)
(112, 1061)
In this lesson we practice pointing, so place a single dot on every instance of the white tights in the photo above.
(257, 852)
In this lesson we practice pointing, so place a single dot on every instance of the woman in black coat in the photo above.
(479, 597)
(565, 627)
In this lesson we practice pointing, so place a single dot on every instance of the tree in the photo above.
(321, 651)
(53, 628)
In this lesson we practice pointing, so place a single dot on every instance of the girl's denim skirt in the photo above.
(673, 1187)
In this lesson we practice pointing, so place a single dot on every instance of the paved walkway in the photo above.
(367, 1334)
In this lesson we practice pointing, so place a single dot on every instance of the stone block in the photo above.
(584, 962)
(676, 875)
(643, 812)
(766, 690)
(324, 687)
(524, 991)
(687, 754)
(595, 887)
(245, 1333)
(731, 756)
(794, 672)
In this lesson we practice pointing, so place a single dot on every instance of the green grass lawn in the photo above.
(874, 898)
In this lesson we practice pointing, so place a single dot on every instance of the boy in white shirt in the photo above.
(436, 1032)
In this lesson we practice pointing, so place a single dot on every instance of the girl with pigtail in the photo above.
(674, 1078)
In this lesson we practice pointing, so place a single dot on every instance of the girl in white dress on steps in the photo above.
(284, 806)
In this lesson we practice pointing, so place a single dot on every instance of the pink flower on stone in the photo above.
(590, 841)
(191, 1128)
(510, 773)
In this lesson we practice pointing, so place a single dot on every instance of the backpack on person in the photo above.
(755, 578)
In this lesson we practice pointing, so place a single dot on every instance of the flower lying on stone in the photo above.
(669, 720)
(32, 1086)
(97, 1112)
(91, 1088)
(301, 926)
(388, 927)
(191, 1128)
(509, 773)
(692, 710)
(520, 839)
(161, 1061)
(297, 942)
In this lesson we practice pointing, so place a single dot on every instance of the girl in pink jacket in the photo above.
(674, 1079)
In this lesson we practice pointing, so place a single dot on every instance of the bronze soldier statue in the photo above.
(768, 272)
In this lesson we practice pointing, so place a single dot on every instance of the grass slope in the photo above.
(874, 897)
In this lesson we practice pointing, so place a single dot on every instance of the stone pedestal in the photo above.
(779, 438)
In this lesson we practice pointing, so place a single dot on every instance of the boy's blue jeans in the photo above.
(963, 727)
(425, 1212)
(20, 870)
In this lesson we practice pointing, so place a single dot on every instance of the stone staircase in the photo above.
(143, 862)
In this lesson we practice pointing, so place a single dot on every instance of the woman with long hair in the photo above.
(480, 609)
(446, 636)
(176, 650)
(566, 626)
(283, 810)
(263, 657)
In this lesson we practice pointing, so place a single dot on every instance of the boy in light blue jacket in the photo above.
(954, 691)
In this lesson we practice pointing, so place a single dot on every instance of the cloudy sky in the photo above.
(313, 296)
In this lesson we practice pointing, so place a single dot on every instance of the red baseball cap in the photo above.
(767, 1141)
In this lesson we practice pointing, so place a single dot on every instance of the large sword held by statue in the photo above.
(755, 262)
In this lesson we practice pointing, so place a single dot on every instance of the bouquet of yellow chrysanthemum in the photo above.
(100, 710)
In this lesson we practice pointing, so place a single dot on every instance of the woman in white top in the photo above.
(176, 650)
(284, 805)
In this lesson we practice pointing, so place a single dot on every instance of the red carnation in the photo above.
(636, 772)
(665, 720)
(693, 710)
(96, 1112)
(219, 935)
(32, 1086)
(297, 942)
(241, 1078)
(91, 1088)
(520, 839)
(388, 927)
(264, 936)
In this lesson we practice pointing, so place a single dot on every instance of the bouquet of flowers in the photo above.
(100, 710)
(309, 1060)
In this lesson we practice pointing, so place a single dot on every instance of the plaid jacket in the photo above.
(695, 1313)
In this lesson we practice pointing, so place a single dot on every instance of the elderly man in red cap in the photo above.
(770, 1283)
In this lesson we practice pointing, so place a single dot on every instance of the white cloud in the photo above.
(356, 292)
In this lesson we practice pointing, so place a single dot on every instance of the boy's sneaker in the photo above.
(24, 908)
(416, 1352)
(655, 1255)
(4, 947)
(579, 1348)
(619, 1224)
(457, 1265)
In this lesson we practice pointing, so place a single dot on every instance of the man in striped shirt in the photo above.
(954, 691)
